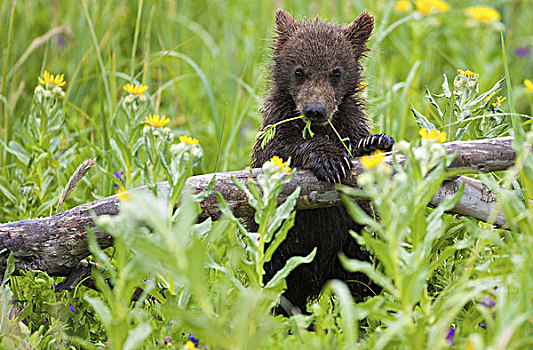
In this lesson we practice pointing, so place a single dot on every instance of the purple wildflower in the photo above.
(482, 325)
(61, 42)
(194, 340)
(167, 340)
(488, 302)
(495, 287)
(71, 308)
(171, 323)
(523, 51)
(120, 177)
(451, 333)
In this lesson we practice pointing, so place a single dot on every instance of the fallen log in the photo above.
(56, 244)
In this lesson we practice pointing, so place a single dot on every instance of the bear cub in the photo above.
(316, 72)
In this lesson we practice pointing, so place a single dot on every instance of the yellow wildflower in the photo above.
(427, 6)
(373, 160)
(433, 135)
(485, 14)
(135, 89)
(155, 121)
(280, 164)
(190, 345)
(467, 73)
(123, 194)
(402, 5)
(498, 101)
(50, 79)
(529, 85)
(188, 140)
(363, 85)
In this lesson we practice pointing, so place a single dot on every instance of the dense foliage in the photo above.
(159, 91)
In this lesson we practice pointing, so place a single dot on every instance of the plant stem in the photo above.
(340, 138)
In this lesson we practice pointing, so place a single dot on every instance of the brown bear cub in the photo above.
(316, 72)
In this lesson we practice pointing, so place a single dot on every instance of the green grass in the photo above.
(205, 65)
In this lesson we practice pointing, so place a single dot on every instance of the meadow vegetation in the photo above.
(159, 91)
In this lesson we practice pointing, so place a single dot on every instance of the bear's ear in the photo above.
(359, 31)
(285, 25)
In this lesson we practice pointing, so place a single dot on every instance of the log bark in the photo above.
(56, 244)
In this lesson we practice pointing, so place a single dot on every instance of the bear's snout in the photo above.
(315, 112)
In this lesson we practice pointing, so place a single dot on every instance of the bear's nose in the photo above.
(315, 112)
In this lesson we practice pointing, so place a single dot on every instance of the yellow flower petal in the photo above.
(373, 160)
(123, 194)
(280, 164)
(48, 78)
(402, 5)
(529, 85)
(188, 140)
(155, 121)
(135, 89)
(467, 73)
(433, 135)
(485, 14)
(428, 6)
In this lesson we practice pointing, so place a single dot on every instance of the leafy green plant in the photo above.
(467, 113)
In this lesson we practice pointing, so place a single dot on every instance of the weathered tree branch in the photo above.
(56, 244)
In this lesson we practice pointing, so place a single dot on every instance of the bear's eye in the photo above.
(336, 74)
(299, 73)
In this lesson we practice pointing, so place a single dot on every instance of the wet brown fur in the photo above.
(318, 48)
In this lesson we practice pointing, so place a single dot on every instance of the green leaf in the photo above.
(101, 310)
(347, 307)
(281, 214)
(137, 336)
(484, 95)
(354, 265)
(290, 265)
(446, 87)
(206, 191)
(10, 268)
(121, 151)
(8, 194)
(18, 151)
(280, 236)
(429, 96)
(421, 120)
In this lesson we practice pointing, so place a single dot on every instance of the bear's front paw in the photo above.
(331, 168)
(374, 142)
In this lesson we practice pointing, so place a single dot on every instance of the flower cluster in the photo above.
(280, 164)
(373, 160)
(50, 86)
(156, 121)
(135, 89)
(433, 135)
(188, 140)
(465, 84)
(154, 125)
(402, 5)
(484, 14)
(467, 73)
(135, 94)
(274, 172)
(187, 149)
(430, 6)
(49, 79)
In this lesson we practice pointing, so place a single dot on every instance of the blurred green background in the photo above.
(212, 82)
